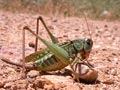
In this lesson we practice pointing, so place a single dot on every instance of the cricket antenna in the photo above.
(86, 23)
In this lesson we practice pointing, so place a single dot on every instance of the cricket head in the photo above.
(83, 46)
(88, 43)
(87, 47)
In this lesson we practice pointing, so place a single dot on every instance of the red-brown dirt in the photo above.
(105, 52)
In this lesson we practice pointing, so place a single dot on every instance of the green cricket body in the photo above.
(46, 61)
(56, 56)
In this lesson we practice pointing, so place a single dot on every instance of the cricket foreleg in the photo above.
(76, 67)
(75, 75)
(85, 62)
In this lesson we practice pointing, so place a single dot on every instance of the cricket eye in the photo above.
(89, 42)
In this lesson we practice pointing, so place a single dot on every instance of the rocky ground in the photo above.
(105, 54)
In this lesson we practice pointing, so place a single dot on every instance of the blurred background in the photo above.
(95, 9)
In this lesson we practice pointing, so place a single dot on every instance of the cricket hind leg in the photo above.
(58, 51)
(27, 66)
(52, 37)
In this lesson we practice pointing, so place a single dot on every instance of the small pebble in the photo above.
(14, 87)
(0, 46)
(33, 73)
(2, 84)
(49, 87)
(109, 81)
(31, 44)
(7, 85)
(114, 72)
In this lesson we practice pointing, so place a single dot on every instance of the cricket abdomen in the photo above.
(49, 64)
(45, 61)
